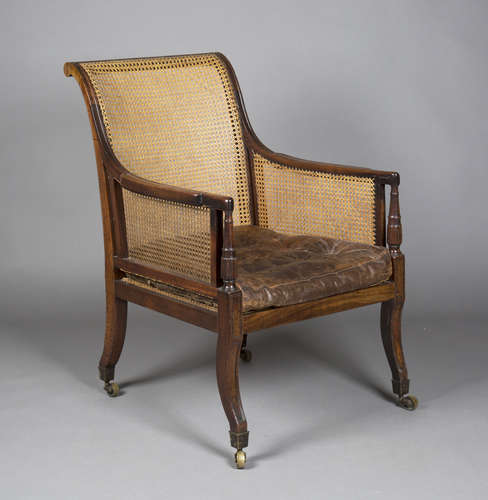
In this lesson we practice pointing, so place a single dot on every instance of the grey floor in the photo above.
(317, 398)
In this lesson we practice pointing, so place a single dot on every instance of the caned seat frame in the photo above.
(227, 318)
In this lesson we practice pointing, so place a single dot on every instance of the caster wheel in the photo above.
(409, 403)
(240, 458)
(246, 355)
(112, 389)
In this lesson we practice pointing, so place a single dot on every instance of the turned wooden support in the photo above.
(394, 231)
(394, 240)
(228, 259)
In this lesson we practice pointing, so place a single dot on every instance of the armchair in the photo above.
(204, 223)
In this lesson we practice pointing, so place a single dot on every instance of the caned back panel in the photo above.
(175, 120)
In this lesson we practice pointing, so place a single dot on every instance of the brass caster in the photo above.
(112, 389)
(409, 403)
(240, 458)
(246, 355)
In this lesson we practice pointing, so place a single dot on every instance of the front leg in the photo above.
(228, 352)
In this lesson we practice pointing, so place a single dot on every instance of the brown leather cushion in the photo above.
(275, 270)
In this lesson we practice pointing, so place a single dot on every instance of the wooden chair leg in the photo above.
(245, 354)
(115, 327)
(229, 344)
(391, 334)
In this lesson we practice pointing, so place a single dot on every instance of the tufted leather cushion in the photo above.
(275, 270)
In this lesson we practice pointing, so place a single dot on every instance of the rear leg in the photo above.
(245, 354)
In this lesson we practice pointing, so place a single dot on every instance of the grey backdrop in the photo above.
(397, 85)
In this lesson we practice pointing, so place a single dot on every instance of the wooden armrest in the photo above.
(173, 193)
(381, 176)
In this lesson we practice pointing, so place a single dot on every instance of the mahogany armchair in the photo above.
(204, 223)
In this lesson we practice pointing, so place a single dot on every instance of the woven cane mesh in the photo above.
(171, 235)
(175, 120)
(172, 292)
(297, 201)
